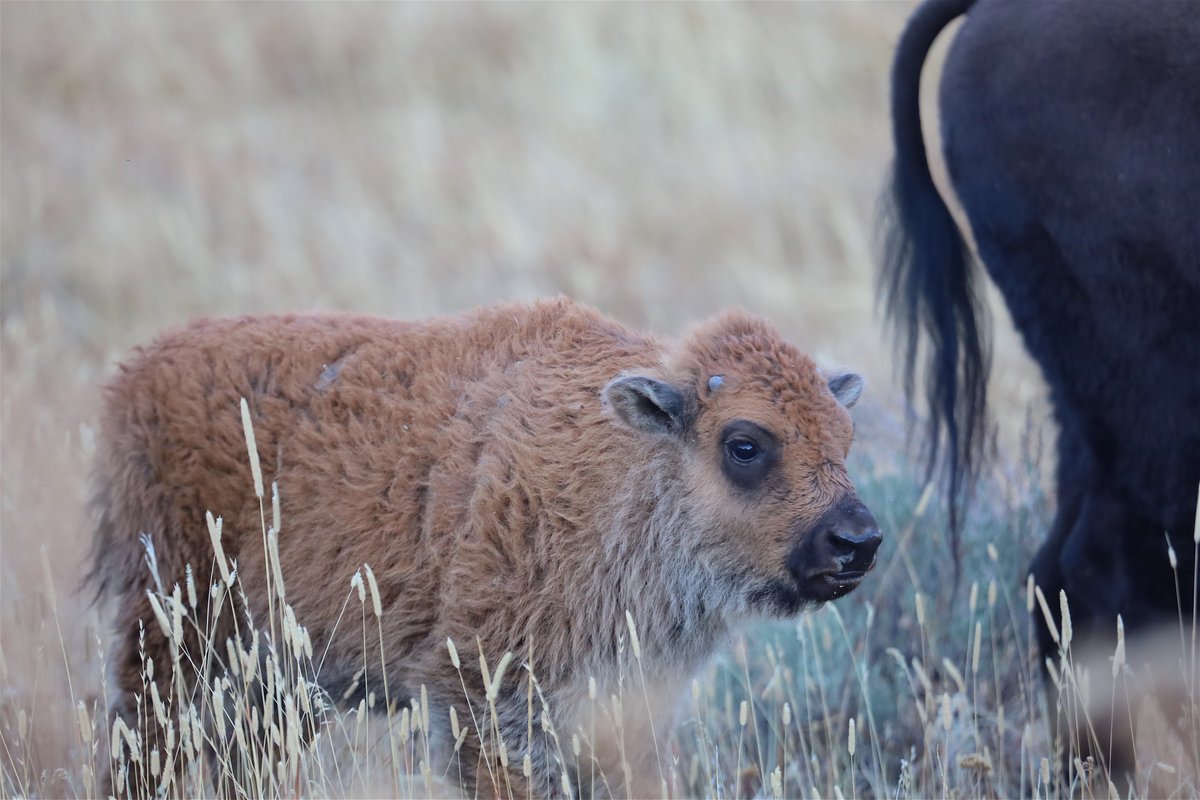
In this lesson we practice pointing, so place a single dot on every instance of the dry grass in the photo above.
(660, 162)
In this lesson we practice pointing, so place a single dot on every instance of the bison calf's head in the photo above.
(748, 442)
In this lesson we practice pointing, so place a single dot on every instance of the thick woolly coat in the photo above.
(478, 465)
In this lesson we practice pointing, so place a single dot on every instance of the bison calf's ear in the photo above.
(647, 404)
(847, 388)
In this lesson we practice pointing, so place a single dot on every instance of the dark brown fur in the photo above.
(475, 463)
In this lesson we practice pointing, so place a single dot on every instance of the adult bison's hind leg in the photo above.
(1085, 559)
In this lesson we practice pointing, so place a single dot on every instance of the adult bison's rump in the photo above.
(524, 479)
(1071, 134)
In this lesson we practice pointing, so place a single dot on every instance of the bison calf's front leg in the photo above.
(506, 747)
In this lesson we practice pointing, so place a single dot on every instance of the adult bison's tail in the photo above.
(926, 278)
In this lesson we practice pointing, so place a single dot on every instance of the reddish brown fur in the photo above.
(473, 463)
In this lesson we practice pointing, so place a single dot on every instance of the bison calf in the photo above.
(522, 477)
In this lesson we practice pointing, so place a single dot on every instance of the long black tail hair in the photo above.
(927, 281)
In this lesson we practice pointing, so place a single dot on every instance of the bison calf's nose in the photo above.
(854, 548)
(838, 551)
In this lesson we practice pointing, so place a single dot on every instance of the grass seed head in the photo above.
(424, 708)
(214, 534)
(160, 710)
(218, 707)
(955, 675)
(177, 616)
(163, 622)
(1065, 611)
(1196, 533)
(197, 731)
(376, 606)
(493, 690)
(85, 724)
(276, 569)
(293, 727)
(191, 587)
(252, 450)
(980, 763)
(1118, 660)
(483, 665)
(1041, 599)
(634, 642)
(922, 675)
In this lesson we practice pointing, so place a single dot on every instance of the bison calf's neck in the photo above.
(535, 480)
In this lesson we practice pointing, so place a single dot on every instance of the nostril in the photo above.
(855, 550)
(843, 544)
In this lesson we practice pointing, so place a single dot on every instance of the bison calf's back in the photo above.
(530, 478)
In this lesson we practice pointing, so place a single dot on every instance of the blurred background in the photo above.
(166, 161)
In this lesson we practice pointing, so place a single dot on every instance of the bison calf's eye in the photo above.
(748, 452)
(743, 451)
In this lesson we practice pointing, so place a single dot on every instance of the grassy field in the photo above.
(162, 162)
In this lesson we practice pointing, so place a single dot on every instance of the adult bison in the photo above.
(1071, 133)
(524, 479)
